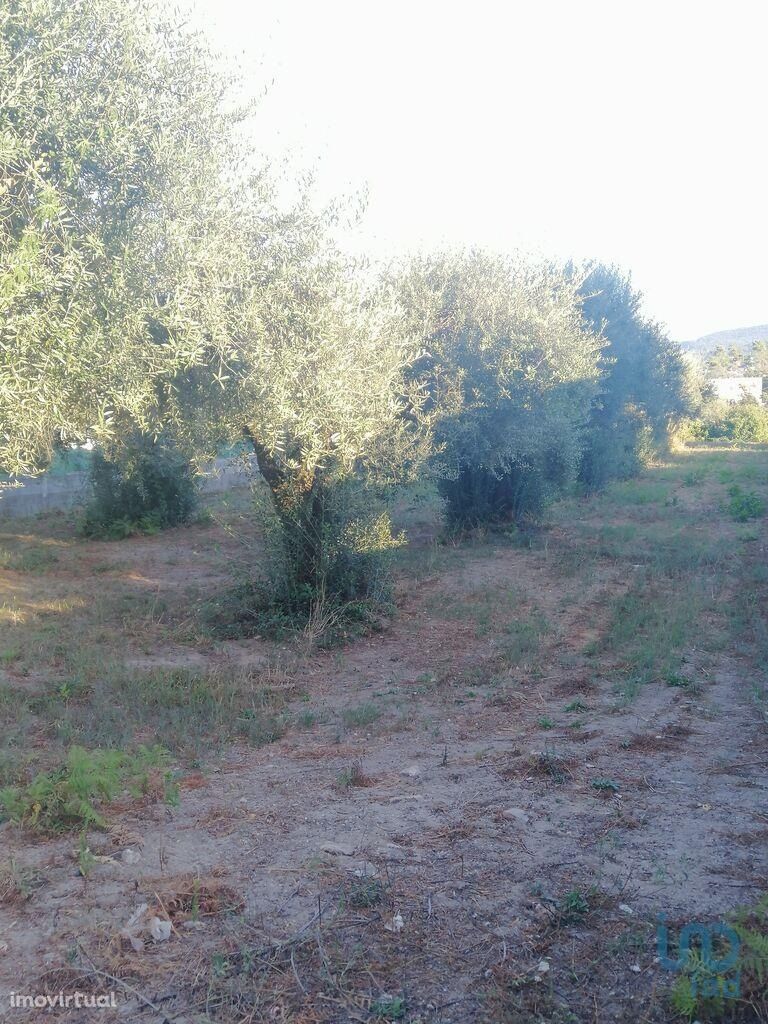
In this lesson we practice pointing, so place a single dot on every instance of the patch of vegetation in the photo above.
(70, 796)
(702, 992)
(186, 711)
(650, 629)
(352, 777)
(744, 505)
(388, 1008)
(365, 892)
(607, 786)
(31, 558)
(144, 486)
(18, 883)
(521, 639)
(577, 704)
(360, 716)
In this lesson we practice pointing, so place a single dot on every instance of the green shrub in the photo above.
(68, 797)
(510, 372)
(325, 570)
(746, 421)
(743, 422)
(144, 487)
(744, 505)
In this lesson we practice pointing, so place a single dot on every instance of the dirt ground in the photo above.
(475, 815)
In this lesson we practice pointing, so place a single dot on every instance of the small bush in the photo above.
(744, 505)
(326, 569)
(145, 487)
(742, 422)
(68, 797)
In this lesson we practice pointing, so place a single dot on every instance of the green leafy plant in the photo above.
(388, 1008)
(605, 785)
(70, 796)
(744, 505)
(144, 486)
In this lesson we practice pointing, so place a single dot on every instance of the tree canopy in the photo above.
(116, 199)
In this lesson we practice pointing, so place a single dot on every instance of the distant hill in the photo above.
(741, 337)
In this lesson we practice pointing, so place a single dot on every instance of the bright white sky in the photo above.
(634, 131)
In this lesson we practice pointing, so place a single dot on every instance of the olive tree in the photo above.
(510, 371)
(645, 383)
(118, 210)
(316, 380)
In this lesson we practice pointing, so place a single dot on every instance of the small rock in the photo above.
(412, 771)
(397, 924)
(392, 852)
(159, 930)
(625, 909)
(366, 870)
(130, 856)
(543, 967)
(635, 968)
(338, 849)
(515, 814)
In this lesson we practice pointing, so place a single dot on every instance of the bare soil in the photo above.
(412, 850)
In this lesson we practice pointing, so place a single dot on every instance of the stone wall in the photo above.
(27, 496)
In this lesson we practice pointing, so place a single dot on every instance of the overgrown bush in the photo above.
(325, 570)
(725, 421)
(144, 487)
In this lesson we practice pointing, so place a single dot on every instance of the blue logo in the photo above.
(717, 976)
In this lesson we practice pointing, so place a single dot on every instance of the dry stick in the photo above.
(173, 926)
(122, 984)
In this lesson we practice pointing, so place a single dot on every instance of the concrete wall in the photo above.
(734, 389)
(30, 495)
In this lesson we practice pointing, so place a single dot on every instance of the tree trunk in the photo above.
(299, 502)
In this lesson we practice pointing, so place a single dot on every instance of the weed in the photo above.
(35, 558)
(365, 892)
(352, 777)
(576, 705)
(695, 477)
(744, 505)
(182, 709)
(85, 859)
(551, 764)
(545, 723)
(67, 797)
(605, 785)
(362, 715)
(388, 1007)
(573, 907)
(522, 639)
(17, 883)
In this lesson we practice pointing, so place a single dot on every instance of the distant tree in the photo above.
(645, 383)
(730, 362)
(510, 372)
(116, 160)
(758, 359)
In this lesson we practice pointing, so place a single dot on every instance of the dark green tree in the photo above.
(510, 371)
(645, 384)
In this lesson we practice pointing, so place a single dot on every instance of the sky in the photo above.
(630, 131)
